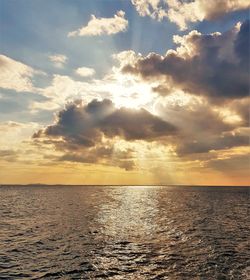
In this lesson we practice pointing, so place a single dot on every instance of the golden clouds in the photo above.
(184, 12)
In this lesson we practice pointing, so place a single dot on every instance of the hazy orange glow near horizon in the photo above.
(124, 92)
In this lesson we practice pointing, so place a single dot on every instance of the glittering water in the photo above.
(126, 232)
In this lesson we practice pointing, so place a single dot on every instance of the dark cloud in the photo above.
(80, 129)
(135, 125)
(163, 90)
(242, 44)
(215, 65)
(85, 132)
(201, 145)
(85, 125)
(89, 155)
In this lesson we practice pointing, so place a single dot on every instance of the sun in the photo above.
(130, 93)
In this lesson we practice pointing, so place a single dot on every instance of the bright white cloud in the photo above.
(85, 71)
(152, 8)
(123, 89)
(15, 75)
(64, 89)
(99, 26)
(126, 57)
(58, 60)
(183, 12)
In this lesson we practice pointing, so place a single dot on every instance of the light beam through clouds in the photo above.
(149, 118)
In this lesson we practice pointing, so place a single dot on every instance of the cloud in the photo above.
(102, 155)
(214, 65)
(85, 71)
(15, 75)
(15, 142)
(241, 107)
(63, 89)
(156, 9)
(58, 60)
(213, 142)
(193, 116)
(100, 26)
(123, 90)
(92, 132)
(203, 128)
(8, 155)
(234, 163)
(87, 132)
(13, 133)
(184, 12)
(85, 125)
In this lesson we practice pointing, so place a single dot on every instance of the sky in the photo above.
(124, 92)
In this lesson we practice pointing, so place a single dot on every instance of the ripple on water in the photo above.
(124, 233)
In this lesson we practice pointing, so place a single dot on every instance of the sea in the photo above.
(124, 232)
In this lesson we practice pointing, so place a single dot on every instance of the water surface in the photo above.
(126, 232)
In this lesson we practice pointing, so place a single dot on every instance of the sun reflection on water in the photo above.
(133, 214)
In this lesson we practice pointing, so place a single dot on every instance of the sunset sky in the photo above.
(124, 92)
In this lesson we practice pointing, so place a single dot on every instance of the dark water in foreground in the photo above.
(124, 232)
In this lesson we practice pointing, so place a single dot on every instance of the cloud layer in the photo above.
(209, 72)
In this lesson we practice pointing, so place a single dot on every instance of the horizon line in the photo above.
(120, 185)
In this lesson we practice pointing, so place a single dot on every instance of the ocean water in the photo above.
(124, 232)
